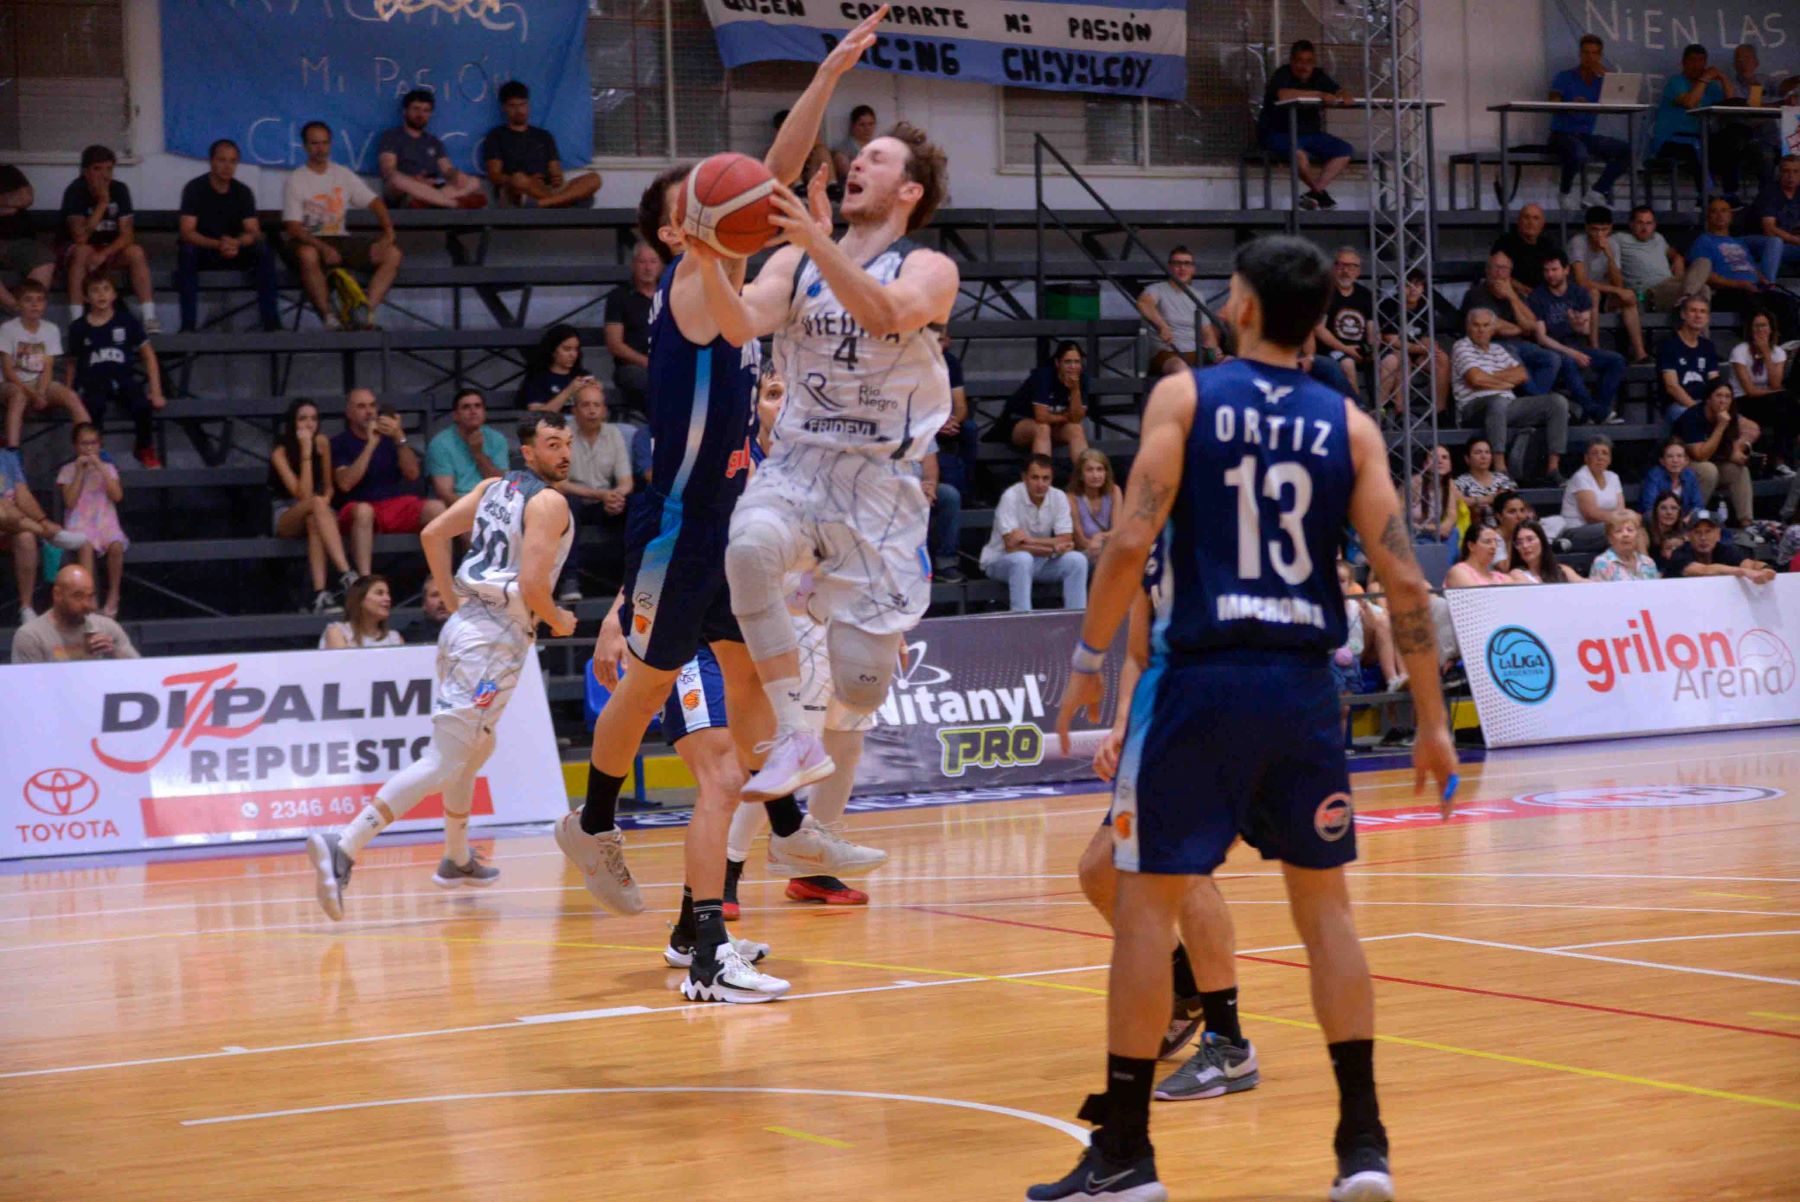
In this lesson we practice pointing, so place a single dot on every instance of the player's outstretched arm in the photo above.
(800, 132)
(923, 292)
(546, 517)
(453, 523)
(1375, 512)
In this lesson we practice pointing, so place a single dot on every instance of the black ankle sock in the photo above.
(734, 872)
(1125, 1135)
(684, 922)
(1185, 986)
(784, 815)
(1220, 1008)
(602, 801)
(709, 924)
(1359, 1114)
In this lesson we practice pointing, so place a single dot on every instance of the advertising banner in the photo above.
(255, 71)
(122, 754)
(974, 706)
(1125, 49)
(1640, 658)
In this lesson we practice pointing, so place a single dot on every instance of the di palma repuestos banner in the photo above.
(256, 71)
(1125, 49)
(121, 754)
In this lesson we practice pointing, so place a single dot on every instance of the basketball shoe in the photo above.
(827, 889)
(333, 866)
(734, 869)
(730, 979)
(1094, 1176)
(475, 873)
(1217, 1067)
(1363, 1176)
(1184, 1024)
(817, 849)
(680, 952)
(796, 759)
(601, 859)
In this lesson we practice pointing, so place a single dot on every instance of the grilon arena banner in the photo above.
(185, 750)
(1640, 658)
(1135, 49)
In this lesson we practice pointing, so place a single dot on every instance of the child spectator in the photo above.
(1671, 474)
(102, 343)
(29, 347)
(91, 492)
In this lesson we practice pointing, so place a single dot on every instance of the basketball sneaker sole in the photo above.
(331, 898)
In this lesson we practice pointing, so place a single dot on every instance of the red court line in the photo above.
(1470, 989)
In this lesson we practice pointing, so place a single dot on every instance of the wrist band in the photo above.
(1086, 661)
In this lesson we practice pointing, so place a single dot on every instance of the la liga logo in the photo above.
(1520, 665)
(1705, 664)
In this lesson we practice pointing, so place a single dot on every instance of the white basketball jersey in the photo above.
(490, 571)
(850, 390)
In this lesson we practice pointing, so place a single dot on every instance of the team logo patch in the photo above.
(640, 623)
(1122, 824)
(1334, 817)
(485, 692)
(1520, 665)
(690, 699)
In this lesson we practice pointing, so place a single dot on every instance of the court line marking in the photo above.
(1734, 896)
(1572, 947)
(809, 1137)
(1573, 955)
(1786, 1018)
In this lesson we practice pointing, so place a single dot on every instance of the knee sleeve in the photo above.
(862, 666)
(447, 758)
(756, 564)
(459, 794)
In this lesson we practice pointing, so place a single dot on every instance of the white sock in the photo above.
(784, 696)
(456, 838)
(149, 308)
(365, 826)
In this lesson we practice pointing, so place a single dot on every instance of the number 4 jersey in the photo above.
(490, 571)
(1249, 556)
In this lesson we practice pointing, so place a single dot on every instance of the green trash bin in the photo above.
(1072, 302)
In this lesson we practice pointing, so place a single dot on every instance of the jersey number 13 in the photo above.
(1290, 486)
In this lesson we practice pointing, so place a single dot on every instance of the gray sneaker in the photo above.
(333, 865)
(450, 874)
(601, 859)
(1216, 1067)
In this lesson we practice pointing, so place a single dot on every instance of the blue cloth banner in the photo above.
(1125, 49)
(256, 71)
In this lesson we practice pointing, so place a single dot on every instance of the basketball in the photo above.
(725, 204)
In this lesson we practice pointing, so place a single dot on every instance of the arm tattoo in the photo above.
(1395, 541)
(1151, 504)
(1414, 631)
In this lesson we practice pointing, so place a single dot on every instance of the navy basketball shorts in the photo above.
(1231, 744)
(697, 701)
(676, 599)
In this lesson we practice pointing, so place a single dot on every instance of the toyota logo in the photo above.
(61, 792)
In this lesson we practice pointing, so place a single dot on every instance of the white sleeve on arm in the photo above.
(293, 197)
(356, 191)
(1006, 514)
(1064, 520)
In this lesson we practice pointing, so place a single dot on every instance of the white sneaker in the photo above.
(1595, 199)
(1568, 200)
(796, 759)
(601, 859)
(569, 595)
(69, 540)
(731, 980)
(820, 850)
(681, 955)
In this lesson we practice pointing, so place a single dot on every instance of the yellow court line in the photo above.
(1786, 1018)
(809, 1137)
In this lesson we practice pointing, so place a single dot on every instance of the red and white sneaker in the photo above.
(827, 889)
(796, 759)
(148, 457)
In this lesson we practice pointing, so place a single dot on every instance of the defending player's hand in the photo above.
(791, 217)
(1084, 693)
(817, 202)
(609, 651)
(1106, 757)
(845, 54)
(564, 624)
(1434, 756)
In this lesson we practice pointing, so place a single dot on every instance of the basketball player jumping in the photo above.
(839, 493)
(522, 532)
(1234, 726)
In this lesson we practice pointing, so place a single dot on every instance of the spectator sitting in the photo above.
(1650, 266)
(1738, 285)
(1568, 325)
(1406, 327)
(1515, 325)
(1048, 408)
(1592, 492)
(944, 535)
(1667, 530)
(1776, 219)
(1534, 560)
(1323, 368)
(373, 473)
(1718, 441)
(1594, 263)
(1484, 376)
(1378, 631)
(97, 217)
(1476, 567)
(523, 163)
(1438, 509)
(1479, 480)
(434, 613)
(553, 372)
(1755, 144)
(1624, 558)
(91, 492)
(1675, 136)
(1182, 330)
(1572, 136)
(958, 437)
(1758, 378)
(1528, 246)
(416, 171)
(365, 624)
(29, 348)
(315, 209)
(1347, 330)
(599, 481)
(219, 231)
(1704, 554)
(862, 132)
(1671, 474)
(1033, 539)
(300, 488)
(71, 630)
(627, 327)
(22, 523)
(1095, 498)
(22, 252)
(102, 343)
(1686, 362)
(1346, 661)
(1319, 157)
(468, 452)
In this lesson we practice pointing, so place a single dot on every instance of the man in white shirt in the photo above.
(1169, 306)
(1483, 375)
(1034, 540)
(1653, 268)
(599, 481)
(315, 209)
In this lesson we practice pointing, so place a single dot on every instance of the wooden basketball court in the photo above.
(1589, 988)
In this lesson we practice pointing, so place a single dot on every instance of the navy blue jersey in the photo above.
(702, 410)
(105, 355)
(1248, 559)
